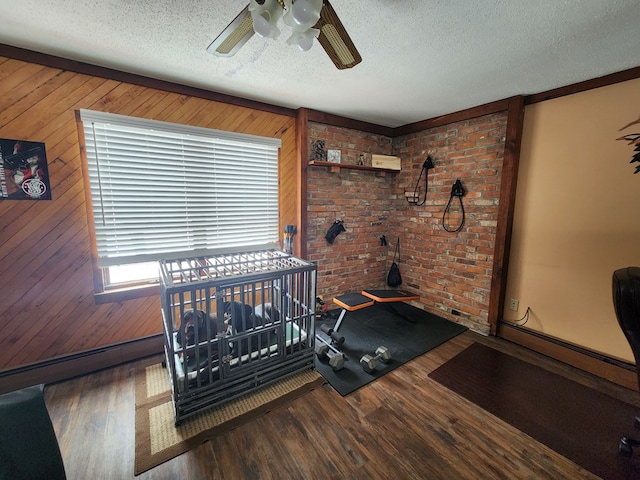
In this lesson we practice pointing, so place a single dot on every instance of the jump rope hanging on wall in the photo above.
(457, 191)
(414, 199)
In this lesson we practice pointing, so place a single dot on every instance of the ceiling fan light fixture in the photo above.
(265, 17)
(302, 14)
(303, 40)
(308, 19)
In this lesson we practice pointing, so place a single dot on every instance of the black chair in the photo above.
(626, 302)
(28, 444)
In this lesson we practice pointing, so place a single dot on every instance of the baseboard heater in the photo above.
(609, 368)
(72, 365)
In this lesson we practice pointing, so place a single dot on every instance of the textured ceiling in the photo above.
(421, 58)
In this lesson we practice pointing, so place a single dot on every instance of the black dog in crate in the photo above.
(240, 317)
(197, 321)
(266, 313)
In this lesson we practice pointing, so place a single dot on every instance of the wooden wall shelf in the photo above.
(335, 167)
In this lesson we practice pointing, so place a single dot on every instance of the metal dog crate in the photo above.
(250, 320)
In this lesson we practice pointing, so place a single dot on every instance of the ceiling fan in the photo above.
(308, 19)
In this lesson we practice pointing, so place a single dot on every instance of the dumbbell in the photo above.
(369, 362)
(336, 338)
(325, 350)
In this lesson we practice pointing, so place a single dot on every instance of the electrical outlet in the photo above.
(513, 305)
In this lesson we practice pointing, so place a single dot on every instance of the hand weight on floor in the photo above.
(324, 350)
(335, 336)
(369, 362)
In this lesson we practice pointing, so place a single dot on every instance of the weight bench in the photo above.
(350, 302)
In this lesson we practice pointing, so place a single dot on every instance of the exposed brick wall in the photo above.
(451, 270)
(448, 270)
(355, 260)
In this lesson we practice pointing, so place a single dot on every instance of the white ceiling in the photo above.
(421, 58)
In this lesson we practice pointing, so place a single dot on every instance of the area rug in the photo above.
(159, 440)
(405, 330)
(580, 423)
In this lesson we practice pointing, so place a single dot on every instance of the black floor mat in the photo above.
(405, 330)
(578, 422)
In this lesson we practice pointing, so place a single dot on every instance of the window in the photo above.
(163, 190)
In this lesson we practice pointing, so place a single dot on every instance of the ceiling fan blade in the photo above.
(335, 40)
(234, 36)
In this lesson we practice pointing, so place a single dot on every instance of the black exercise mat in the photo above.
(580, 423)
(407, 332)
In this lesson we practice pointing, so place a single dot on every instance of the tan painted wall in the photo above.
(577, 216)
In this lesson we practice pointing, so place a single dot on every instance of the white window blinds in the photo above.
(162, 190)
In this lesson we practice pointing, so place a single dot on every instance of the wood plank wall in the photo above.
(47, 307)
(51, 326)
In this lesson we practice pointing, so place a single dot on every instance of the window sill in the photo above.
(123, 294)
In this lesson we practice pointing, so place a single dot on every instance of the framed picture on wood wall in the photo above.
(24, 174)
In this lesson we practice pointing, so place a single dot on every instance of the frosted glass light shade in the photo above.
(265, 17)
(304, 40)
(302, 14)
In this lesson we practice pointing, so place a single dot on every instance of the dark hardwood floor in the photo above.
(403, 425)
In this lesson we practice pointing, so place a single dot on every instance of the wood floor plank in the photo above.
(403, 425)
